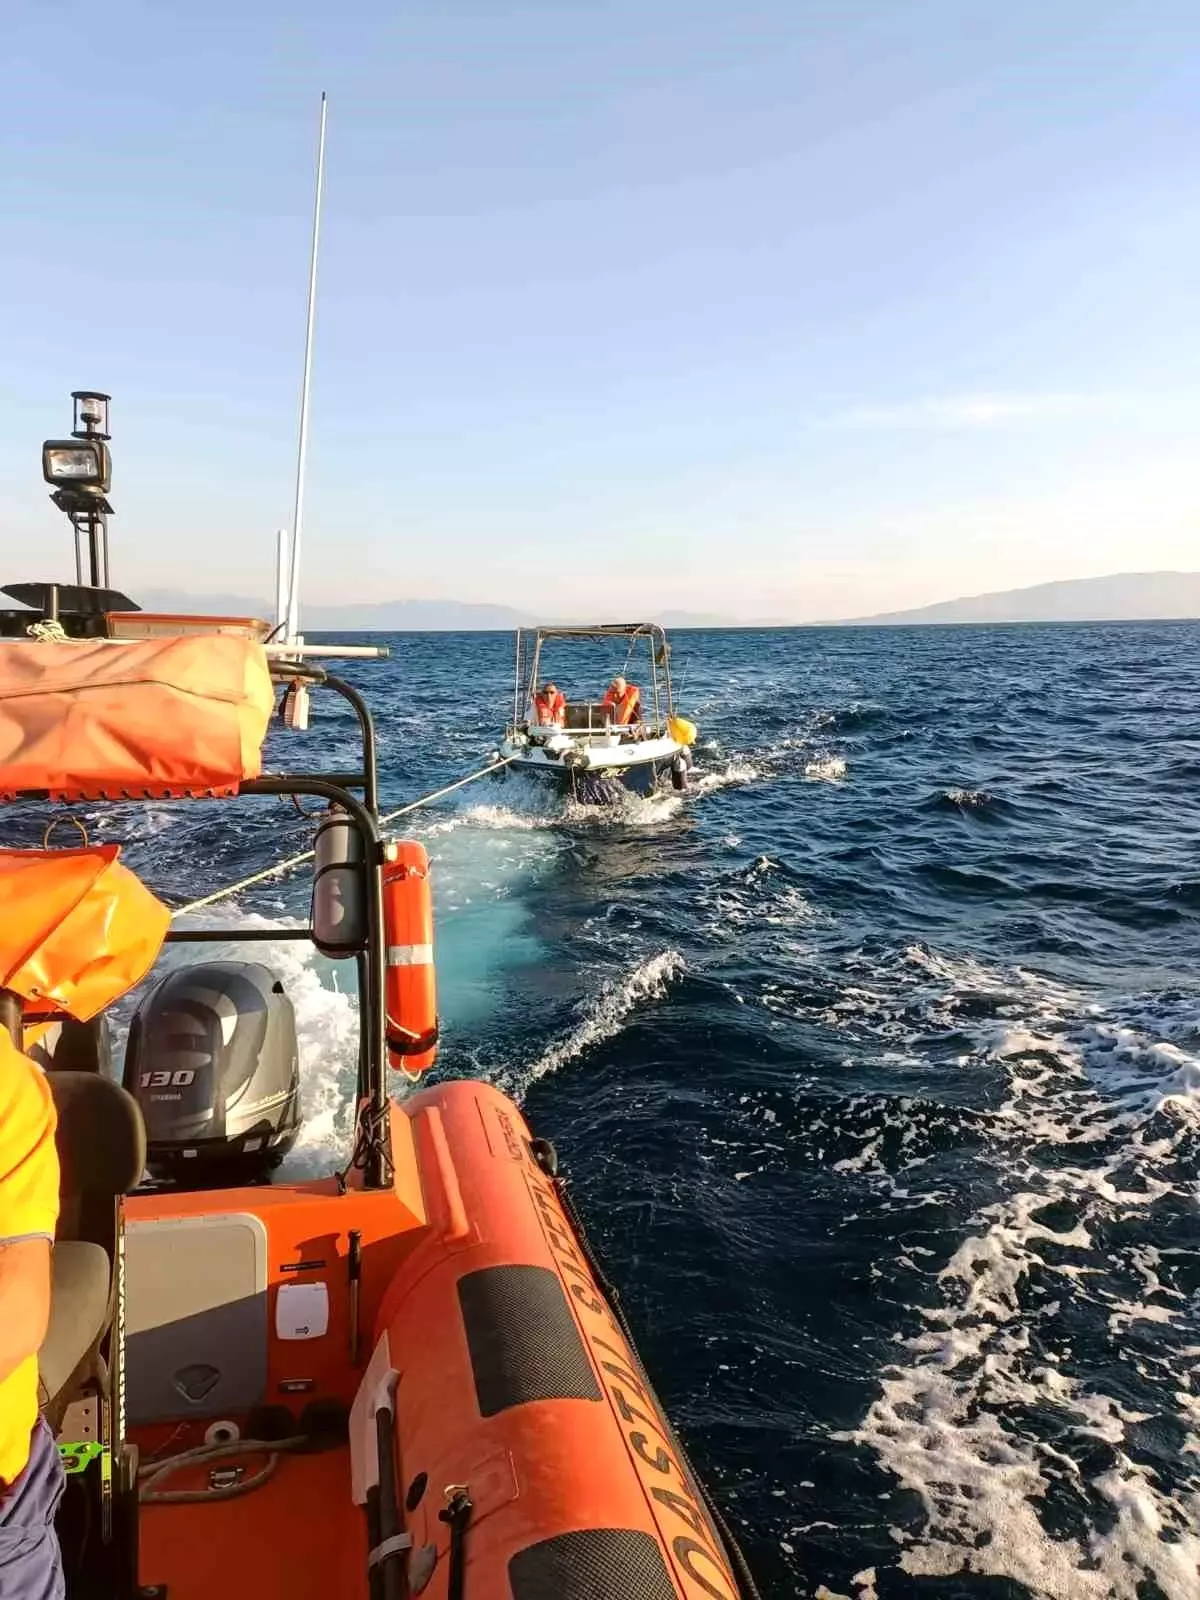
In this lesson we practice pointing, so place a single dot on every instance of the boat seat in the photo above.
(101, 1142)
(80, 1290)
(583, 714)
(71, 1046)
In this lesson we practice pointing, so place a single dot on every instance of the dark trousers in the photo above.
(30, 1563)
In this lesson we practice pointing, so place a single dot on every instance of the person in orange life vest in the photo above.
(625, 699)
(31, 1472)
(550, 706)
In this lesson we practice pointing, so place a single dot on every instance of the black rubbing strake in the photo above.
(594, 1564)
(522, 1338)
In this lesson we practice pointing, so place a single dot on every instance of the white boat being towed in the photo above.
(624, 739)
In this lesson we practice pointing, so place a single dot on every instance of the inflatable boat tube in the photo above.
(516, 1394)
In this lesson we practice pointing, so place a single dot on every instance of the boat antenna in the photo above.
(291, 632)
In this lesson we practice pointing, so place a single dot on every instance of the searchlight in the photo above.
(80, 471)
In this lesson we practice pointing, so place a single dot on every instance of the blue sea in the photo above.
(875, 1059)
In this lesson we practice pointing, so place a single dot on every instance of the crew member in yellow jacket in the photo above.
(31, 1473)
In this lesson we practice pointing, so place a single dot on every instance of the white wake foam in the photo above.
(494, 818)
(825, 769)
(733, 774)
(602, 1016)
(969, 799)
(759, 897)
(1095, 1116)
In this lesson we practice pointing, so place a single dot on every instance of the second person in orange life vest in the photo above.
(625, 699)
(550, 706)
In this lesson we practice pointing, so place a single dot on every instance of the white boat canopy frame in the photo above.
(650, 635)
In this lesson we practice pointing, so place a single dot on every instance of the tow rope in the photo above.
(307, 855)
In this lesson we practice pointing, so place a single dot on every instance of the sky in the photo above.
(776, 309)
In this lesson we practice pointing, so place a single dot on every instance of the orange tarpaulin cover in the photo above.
(77, 929)
(89, 720)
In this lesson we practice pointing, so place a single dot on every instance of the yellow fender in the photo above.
(681, 730)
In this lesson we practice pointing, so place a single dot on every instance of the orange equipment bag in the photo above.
(77, 929)
(83, 719)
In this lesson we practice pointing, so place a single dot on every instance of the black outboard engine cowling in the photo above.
(213, 1063)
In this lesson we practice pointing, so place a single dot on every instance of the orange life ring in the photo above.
(411, 990)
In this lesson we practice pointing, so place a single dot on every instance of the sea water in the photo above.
(875, 1060)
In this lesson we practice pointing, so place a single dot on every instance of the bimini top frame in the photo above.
(530, 643)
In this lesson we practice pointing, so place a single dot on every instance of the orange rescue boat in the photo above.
(405, 1378)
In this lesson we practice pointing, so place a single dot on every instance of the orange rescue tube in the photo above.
(516, 1390)
(411, 989)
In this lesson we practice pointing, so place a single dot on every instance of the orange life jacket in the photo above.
(627, 706)
(550, 709)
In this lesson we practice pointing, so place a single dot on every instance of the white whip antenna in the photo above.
(293, 609)
(282, 579)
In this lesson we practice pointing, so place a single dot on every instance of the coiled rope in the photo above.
(307, 855)
(155, 1472)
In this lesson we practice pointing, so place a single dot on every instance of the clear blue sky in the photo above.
(775, 308)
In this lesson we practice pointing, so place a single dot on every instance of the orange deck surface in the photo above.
(298, 1537)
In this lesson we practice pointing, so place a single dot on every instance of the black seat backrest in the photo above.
(70, 1046)
(101, 1141)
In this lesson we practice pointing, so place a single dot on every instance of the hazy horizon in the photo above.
(773, 310)
(1139, 596)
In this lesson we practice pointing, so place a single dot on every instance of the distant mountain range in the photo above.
(397, 616)
(1121, 597)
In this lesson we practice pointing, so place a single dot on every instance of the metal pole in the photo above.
(517, 685)
(94, 548)
(78, 552)
(531, 682)
(281, 571)
(293, 616)
(10, 1016)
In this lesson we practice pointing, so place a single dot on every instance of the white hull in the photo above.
(595, 768)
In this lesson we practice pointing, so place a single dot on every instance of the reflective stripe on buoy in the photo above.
(410, 955)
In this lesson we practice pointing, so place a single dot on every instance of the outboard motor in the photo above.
(213, 1063)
